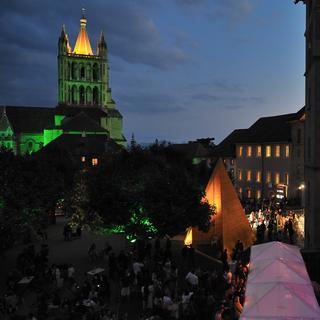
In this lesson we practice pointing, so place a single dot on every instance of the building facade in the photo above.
(85, 105)
(266, 160)
(312, 128)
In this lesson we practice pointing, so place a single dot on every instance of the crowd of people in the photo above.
(149, 277)
(274, 225)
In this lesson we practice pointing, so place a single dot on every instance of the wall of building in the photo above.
(260, 174)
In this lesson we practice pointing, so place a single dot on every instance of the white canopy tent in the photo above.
(278, 285)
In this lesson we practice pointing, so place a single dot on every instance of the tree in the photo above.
(156, 179)
(78, 206)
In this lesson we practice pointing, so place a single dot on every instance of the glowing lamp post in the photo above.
(301, 188)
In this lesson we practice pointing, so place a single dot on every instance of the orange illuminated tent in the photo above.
(230, 223)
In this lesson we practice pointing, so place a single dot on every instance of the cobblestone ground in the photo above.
(75, 252)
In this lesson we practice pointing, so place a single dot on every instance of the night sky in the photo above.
(179, 69)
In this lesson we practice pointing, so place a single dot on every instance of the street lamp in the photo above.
(301, 188)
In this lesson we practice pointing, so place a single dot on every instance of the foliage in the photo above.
(157, 179)
(138, 226)
(79, 207)
(29, 189)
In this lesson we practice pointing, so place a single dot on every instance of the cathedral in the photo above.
(85, 109)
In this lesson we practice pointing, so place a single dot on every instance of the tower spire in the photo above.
(83, 44)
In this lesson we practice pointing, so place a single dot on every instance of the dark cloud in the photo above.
(191, 3)
(29, 37)
(150, 103)
(209, 99)
(205, 97)
(130, 32)
(228, 11)
(234, 107)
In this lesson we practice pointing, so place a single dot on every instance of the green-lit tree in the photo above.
(78, 206)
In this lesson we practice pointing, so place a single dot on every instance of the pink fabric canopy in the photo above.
(278, 285)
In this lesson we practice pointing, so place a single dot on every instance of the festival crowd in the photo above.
(145, 278)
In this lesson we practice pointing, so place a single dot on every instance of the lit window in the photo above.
(83, 159)
(268, 177)
(277, 151)
(249, 175)
(287, 151)
(249, 193)
(258, 194)
(240, 175)
(240, 151)
(277, 178)
(268, 151)
(232, 162)
(240, 191)
(258, 176)
(249, 151)
(286, 178)
(258, 151)
(94, 161)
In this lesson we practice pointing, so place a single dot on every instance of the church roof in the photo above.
(71, 111)
(83, 43)
(29, 119)
(89, 145)
(81, 122)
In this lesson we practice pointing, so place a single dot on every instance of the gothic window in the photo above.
(88, 72)
(82, 73)
(74, 94)
(88, 95)
(69, 70)
(95, 74)
(82, 96)
(95, 96)
(73, 70)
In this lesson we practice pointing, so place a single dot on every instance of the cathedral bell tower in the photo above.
(83, 77)
(83, 81)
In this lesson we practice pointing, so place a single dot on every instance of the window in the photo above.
(277, 153)
(268, 151)
(82, 73)
(83, 159)
(240, 191)
(249, 151)
(277, 178)
(249, 193)
(258, 176)
(232, 162)
(240, 175)
(82, 95)
(258, 151)
(258, 194)
(287, 153)
(268, 177)
(240, 151)
(249, 175)
(94, 161)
